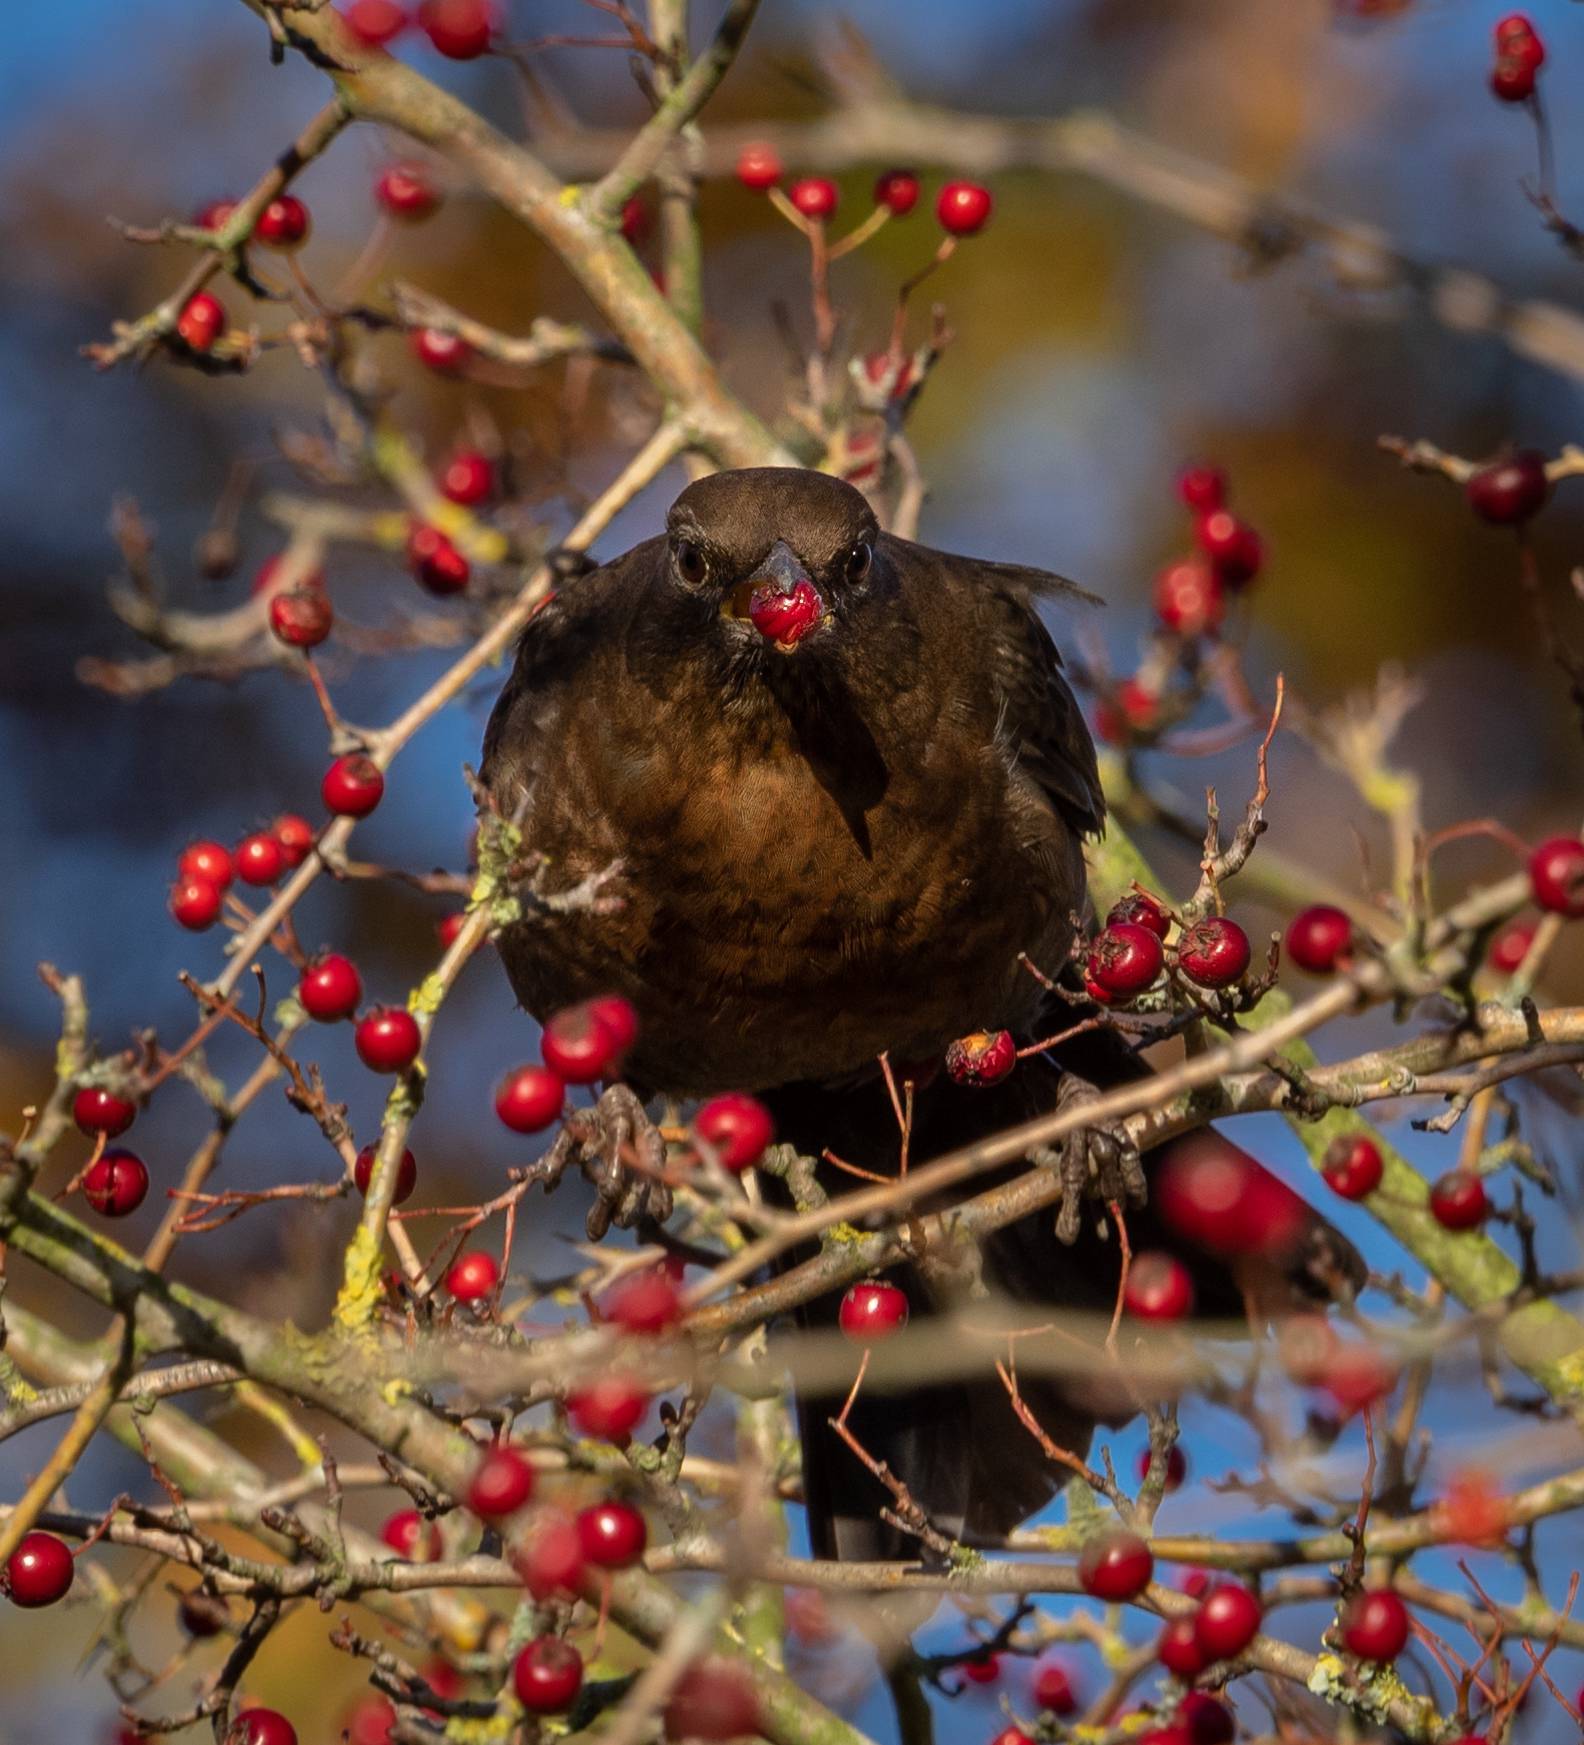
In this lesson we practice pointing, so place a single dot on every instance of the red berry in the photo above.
(1124, 959)
(1053, 1689)
(618, 1019)
(284, 223)
(1352, 1166)
(963, 208)
(1357, 1376)
(472, 1276)
(1158, 1288)
(258, 859)
(547, 1675)
(982, 1669)
(1458, 1201)
(530, 1099)
(814, 196)
(459, 29)
(635, 220)
(897, 191)
(1177, 1648)
(353, 786)
(1319, 939)
(713, 1700)
(873, 1309)
(1228, 1620)
(206, 860)
(1202, 488)
(295, 836)
(97, 1110)
(502, 1483)
(1213, 1193)
(1011, 1736)
(1512, 80)
(1511, 946)
(261, 1727)
(1115, 1565)
(195, 902)
(387, 1039)
(577, 1047)
(1195, 1583)
(1190, 597)
(406, 1174)
(1231, 545)
(39, 1571)
(301, 617)
(784, 619)
(983, 1058)
(609, 1407)
(468, 479)
(370, 1721)
(759, 167)
(1556, 876)
(445, 353)
(375, 22)
(213, 214)
(330, 987)
(1208, 1720)
(436, 562)
(407, 191)
(550, 1557)
(411, 1537)
(644, 1302)
(448, 927)
(1131, 708)
(613, 1535)
(1515, 29)
(1512, 488)
(1305, 1346)
(269, 579)
(117, 1183)
(202, 321)
(1214, 952)
(1375, 1625)
(1140, 911)
(737, 1128)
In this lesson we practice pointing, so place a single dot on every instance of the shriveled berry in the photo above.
(375, 22)
(330, 987)
(1158, 1287)
(1202, 488)
(1320, 939)
(436, 563)
(301, 617)
(472, 1276)
(1124, 959)
(1214, 952)
(1458, 1200)
(530, 1099)
(39, 1572)
(1228, 1620)
(759, 167)
(501, 1484)
(1352, 1166)
(98, 1110)
(1177, 1648)
(547, 1675)
(202, 321)
(387, 1039)
(1231, 545)
(873, 1309)
(643, 1302)
(897, 191)
(407, 191)
(459, 29)
(195, 902)
(550, 1555)
(714, 1700)
(353, 786)
(283, 224)
(577, 1047)
(613, 1535)
(1190, 597)
(258, 859)
(1115, 1565)
(736, 1127)
(785, 618)
(963, 208)
(1510, 947)
(983, 1058)
(468, 478)
(1053, 1689)
(611, 1406)
(1375, 1625)
(1141, 911)
(814, 196)
(447, 354)
(1510, 489)
(1556, 876)
(411, 1537)
(117, 1184)
(406, 1174)
(1176, 1466)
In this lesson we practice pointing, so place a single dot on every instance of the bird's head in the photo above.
(778, 556)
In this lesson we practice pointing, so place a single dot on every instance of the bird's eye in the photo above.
(691, 563)
(859, 560)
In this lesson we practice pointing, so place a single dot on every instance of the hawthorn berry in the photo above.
(713, 1700)
(983, 1058)
(436, 563)
(1213, 1193)
(468, 478)
(1214, 952)
(530, 1099)
(1458, 1200)
(375, 22)
(283, 224)
(1140, 911)
(613, 1535)
(301, 617)
(1228, 1619)
(1053, 1689)
(759, 167)
(814, 196)
(1556, 876)
(1124, 959)
(1510, 489)
(1195, 1583)
(370, 1721)
(577, 1047)
(1305, 1346)
(195, 902)
(472, 1276)
(1202, 488)
(1320, 938)
(737, 1128)
(117, 1183)
(266, 582)
(202, 1614)
(1357, 1376)
(550, 1556)
(982, 1669)
(897, 191)
(547, 1675)
(1208, 1720)
(448, 927)
(1190, 597)
(1176, 1466)
(1131, 708)
(39, 1572)
(872, 1309)
(406, 1174)
(202, 321)
(330, 987)
(206, 860)
(387, 1039)
(1231, 545)
(1520, 54)
(618, 1018)
(261, 1727)
(1352, 1166)
(408, 192)
(501, 1484)
(1177, 1649)
(1115, 1565)
(445, 353)
(258, 859)
(1011, 1736)
(97, 1110)
(963, 208)
(1375, 1625)
(411, 1537)
(784, 619)
(1510, 947)
(610, 1407)
(459, 29)
(1158, 1288)
(644, 1302)
(353, 786)
(213, 213)
(1513, 79)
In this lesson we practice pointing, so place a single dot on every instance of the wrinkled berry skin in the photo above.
(784, 619)
(984, 1058)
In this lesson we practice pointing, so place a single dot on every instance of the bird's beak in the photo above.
(778, 599)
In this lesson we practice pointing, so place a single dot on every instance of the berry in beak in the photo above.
(779, 600)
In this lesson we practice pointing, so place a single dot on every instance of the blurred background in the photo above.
(1099, 343)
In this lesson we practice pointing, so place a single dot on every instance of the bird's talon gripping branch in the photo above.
(597, 1140)
(1098, 1162)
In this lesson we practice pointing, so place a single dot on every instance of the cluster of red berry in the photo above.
(207, 869)
(961, 208)
(462, 30)
(1131, 952)
(1520, 54)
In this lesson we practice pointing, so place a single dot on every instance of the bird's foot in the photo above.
(1097, 1161)
(621, 1153)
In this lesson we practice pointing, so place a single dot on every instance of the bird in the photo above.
(836, 788)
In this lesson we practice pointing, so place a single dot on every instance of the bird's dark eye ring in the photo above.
(691, 563)
(859, 560)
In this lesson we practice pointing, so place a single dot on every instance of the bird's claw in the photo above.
(1098, 1161)
(596, 1140)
